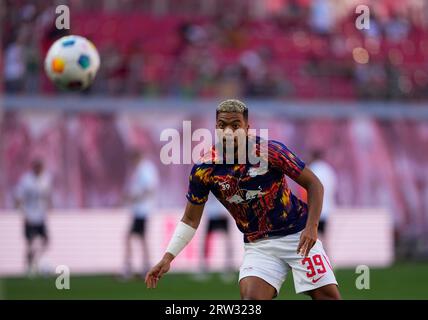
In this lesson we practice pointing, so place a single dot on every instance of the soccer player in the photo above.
(279, 230)
(325, 172)
(33, 198)
(141, 194)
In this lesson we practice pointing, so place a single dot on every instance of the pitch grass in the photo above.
(402, 281)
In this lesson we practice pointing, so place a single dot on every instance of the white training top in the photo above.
(144, 179)
(327, 176)
(33, 192)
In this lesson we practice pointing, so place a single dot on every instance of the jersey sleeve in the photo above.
(199, 184)
(283, 159)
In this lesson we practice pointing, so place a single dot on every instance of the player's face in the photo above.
(231, 123)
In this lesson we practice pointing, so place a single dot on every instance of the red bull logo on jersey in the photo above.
(248, 195)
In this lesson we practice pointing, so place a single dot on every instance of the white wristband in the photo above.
(182, 235)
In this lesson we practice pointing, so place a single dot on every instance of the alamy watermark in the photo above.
(62, 281)
(363, 280)
(231, 147)
(363, 20)
(62, 21)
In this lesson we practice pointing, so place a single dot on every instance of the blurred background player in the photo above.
(141, 192)
(33, 198)
(325, 172)
(218, 222)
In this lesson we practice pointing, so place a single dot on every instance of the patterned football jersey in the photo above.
(260, 201)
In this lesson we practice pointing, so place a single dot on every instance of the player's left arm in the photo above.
(315, 190)
(284, 160)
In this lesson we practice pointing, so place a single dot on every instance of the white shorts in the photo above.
(271, 259)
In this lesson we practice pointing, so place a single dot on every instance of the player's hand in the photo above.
(308, 238)
(153, 276)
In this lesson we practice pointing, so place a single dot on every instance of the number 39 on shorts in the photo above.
(314, 265)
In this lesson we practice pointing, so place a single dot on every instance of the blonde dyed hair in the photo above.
(233, 105)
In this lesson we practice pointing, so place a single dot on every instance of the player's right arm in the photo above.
(197, 196)
(184, 232)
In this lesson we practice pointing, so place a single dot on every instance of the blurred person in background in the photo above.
(326, 174)
(141, 191)
(33, 198)
(217, 222)
(15, 66)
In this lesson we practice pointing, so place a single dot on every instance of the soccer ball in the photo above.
(72, 62)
